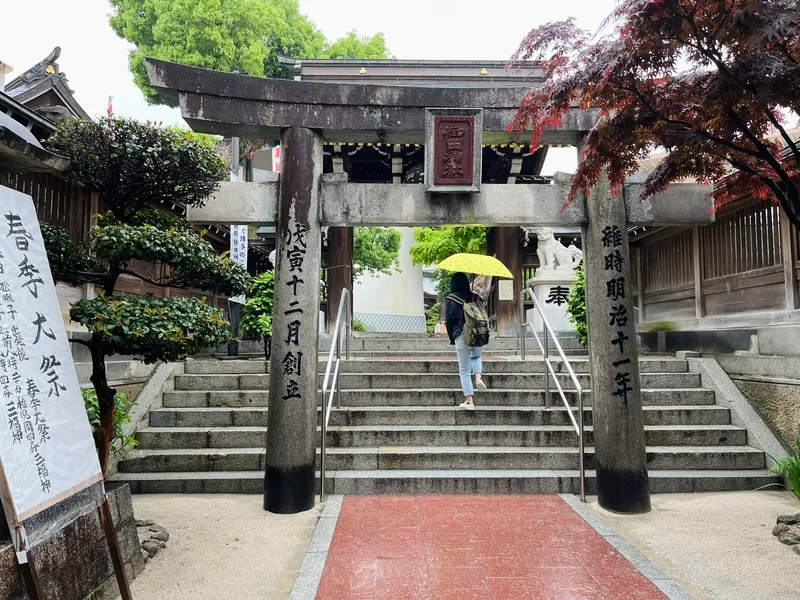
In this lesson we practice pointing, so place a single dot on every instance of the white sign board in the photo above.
(505, 289)
(239, 251)
(46, 448)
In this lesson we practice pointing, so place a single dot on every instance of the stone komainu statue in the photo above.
(553, 255)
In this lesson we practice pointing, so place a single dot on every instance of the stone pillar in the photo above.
(293, 397)
(340, 269)
(507, 250)
(619, 443)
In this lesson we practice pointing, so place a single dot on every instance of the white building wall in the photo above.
(392, 303)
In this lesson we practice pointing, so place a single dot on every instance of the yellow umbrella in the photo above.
(478, 264)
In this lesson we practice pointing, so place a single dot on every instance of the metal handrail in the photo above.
(336, 350)
(549, 371)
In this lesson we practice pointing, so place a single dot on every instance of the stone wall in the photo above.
(777, 403)
(75, 563)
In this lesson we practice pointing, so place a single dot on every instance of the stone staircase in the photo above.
(399, 430)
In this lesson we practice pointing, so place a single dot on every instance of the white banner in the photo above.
(239, 251)
(46, 448)
(276, 159)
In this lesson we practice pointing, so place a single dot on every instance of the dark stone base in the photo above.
(75, 563)
(626, 492)
(289, 491)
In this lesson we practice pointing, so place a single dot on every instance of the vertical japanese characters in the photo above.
(23, 392)
(295, 244)
(614, 262)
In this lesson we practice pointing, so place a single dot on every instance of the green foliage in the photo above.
(121, 444)
(228, 35)
(69, 262)
(789, 467)
(433, 316)
(661, 326)
(156, 329)
(353, 45)
(358, 325)
(193, 261)
(434, 244)
(376, 250)
(576, 308)
(257, 314)
(135, 164)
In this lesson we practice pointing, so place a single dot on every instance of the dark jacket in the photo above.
(454, 314)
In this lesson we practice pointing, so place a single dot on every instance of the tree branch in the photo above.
(81, 342)
(154, 282)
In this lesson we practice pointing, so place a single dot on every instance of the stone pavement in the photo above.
(718, 546)
(474, 547)
(222, 547)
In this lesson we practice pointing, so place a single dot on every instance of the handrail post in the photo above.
(338, 371)
(522, 324)
(545, 362)
(581, 447)
(322, 446)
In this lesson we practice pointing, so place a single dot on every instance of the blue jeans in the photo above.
(469, 362)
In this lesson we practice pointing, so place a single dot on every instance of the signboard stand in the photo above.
(49, 471)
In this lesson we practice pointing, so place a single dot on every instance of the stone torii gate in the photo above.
(304, 115)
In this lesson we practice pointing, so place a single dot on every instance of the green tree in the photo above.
(257, 315)
(576, 308)
(228, 35)
(353, 45)
(376, 250)
(133, 166)
(434, 244)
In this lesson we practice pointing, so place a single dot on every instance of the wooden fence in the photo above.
(735, 265)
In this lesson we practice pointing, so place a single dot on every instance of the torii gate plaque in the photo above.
(304, 114)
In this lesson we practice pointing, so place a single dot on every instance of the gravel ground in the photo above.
(221, 547)
(718, 546)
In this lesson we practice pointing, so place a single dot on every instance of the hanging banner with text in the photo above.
(239, 251)
(47, 452)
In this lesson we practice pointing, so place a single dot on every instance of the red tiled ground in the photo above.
(473, 548)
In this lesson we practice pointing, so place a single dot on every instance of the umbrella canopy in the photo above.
(479, 264)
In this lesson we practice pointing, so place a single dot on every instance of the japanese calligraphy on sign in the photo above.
(453, 150)
(46, 446)
(239, 251)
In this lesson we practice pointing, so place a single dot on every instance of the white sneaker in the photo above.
(479, 384)
(467, 405)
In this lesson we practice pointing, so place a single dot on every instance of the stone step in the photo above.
(445, 365)
(519, 435)
(444, 482)
(407, 381)
(437, 415)
(431, 397)
(443, 435)
(441, 458)
(500, 397)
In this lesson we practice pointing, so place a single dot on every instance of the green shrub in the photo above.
(576, 308)
(121, 444)
(433, 315)
(257, 314)
(789, 467)
(358, 325)
(660, 326)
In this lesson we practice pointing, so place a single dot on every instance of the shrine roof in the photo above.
(233, 104)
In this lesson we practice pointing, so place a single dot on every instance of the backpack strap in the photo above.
(455, 299)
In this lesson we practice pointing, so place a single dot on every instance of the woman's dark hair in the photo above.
(459, 283)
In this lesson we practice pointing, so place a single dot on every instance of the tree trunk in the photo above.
(105, 400)
(267, 346)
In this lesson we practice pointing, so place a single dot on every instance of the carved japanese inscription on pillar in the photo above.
(453, 149)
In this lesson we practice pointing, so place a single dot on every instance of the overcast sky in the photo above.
(95, 59)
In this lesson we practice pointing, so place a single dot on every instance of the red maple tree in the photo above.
(712, 82)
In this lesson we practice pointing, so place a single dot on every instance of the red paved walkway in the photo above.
(473, 547)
